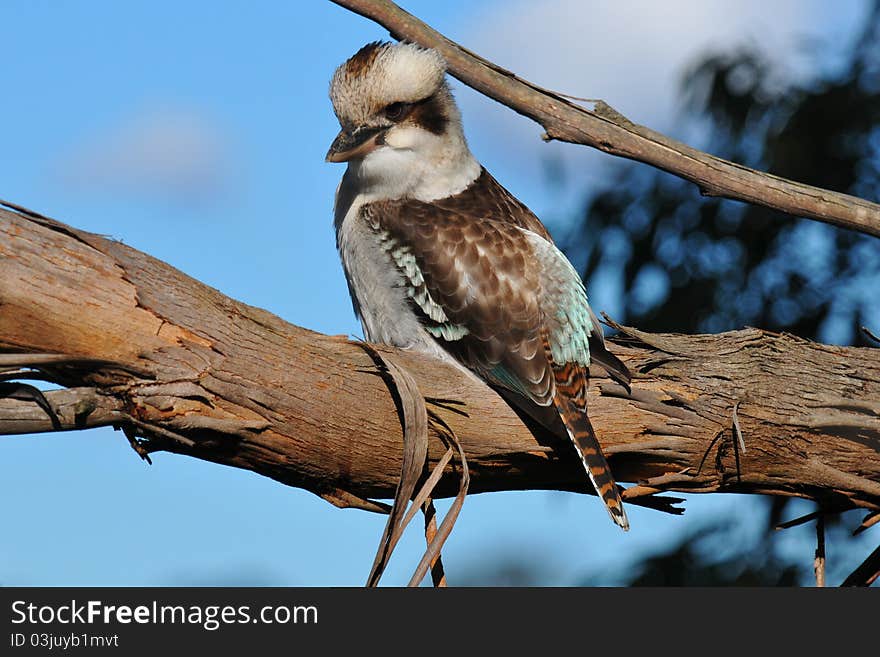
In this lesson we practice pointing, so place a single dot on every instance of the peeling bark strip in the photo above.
(188, 370)
(607, 130)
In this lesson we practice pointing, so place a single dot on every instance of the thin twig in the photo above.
(798, 521)
(867, 573)
(427, 489)
(438, 576)
(344, 499)
(148, 428)
(131, 433)
(708, 449)
(451, 405)
(737, 442)
(868, 521)
(819, 560)
(737, 432)
(433, 551)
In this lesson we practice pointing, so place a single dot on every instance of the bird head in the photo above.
(390, 96)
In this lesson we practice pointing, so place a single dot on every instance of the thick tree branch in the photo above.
(183, 368)
(609, 131)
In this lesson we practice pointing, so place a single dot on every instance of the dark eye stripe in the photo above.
(430, 114)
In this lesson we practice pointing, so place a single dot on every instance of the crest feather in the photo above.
(382, 73)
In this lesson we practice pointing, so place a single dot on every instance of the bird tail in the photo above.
(571, 403)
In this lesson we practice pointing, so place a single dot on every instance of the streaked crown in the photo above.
(381, 74)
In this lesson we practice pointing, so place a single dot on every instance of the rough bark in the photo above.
(183, 368)
(607, 130)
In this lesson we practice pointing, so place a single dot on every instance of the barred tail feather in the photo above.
(571, 403)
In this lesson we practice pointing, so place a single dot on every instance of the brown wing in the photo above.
(476, 284)
(486, 198)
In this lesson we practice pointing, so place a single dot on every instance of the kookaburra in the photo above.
(441, 258)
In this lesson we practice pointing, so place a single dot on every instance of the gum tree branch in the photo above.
(182, 368)
(609, 131)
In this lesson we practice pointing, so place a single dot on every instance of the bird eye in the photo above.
(395, 111)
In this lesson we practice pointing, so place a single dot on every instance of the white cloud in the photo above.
(168, 152)
(630, 54)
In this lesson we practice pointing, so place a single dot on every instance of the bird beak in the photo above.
(355, 144)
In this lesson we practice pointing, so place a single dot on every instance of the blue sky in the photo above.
(196, 132)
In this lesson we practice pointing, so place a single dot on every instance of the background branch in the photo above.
(609, 131)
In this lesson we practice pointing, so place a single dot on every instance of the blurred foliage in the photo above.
(701, 558)
(725, 553)
(688, 263)
(686, 565)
